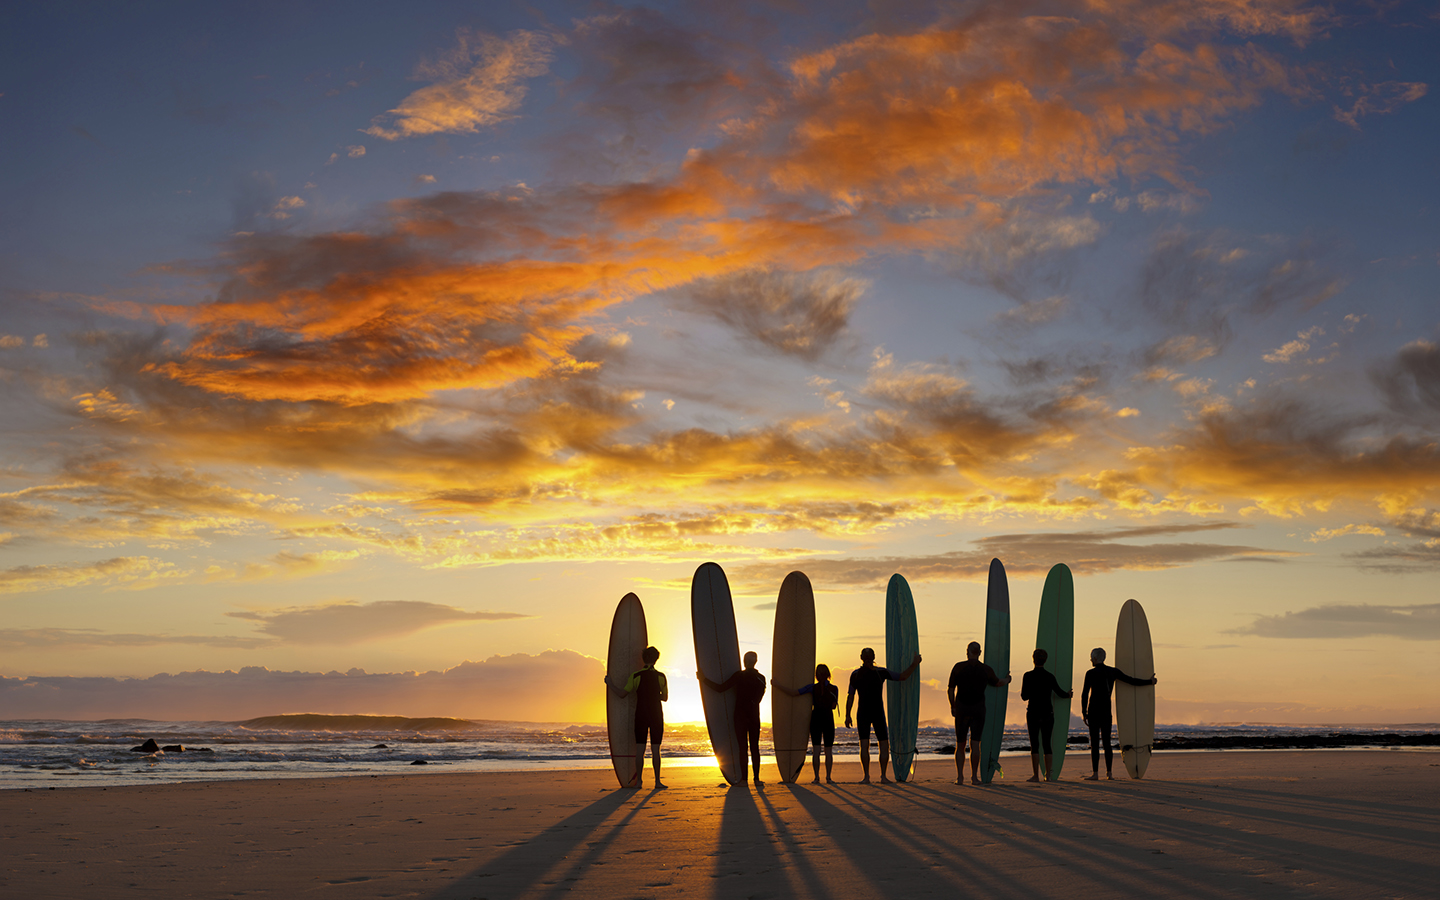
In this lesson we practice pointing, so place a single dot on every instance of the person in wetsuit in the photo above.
(968, 681)
(1036, 688)
(749, 686)
(867, 681)
(1095, 708)
(651, 690)
(824, 697)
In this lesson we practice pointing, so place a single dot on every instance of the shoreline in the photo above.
(1332, 823)
(1078, 755)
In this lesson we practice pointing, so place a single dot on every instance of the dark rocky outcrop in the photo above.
(148, 747)
(420, 762)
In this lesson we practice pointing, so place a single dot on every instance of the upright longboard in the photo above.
(628, 640)
(997, 657)
(1134, 706)
(1056, 636)
(902, 642)
(793, 662)
(717, 653)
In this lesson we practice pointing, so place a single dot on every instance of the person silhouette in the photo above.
(1095, 708)
(1036, 687)
(749, 687)
(651, 690)
(824, 697)
(867, 681)
(968, 681)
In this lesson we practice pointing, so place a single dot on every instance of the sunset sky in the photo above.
(407, 338)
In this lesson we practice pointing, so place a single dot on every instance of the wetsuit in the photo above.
(749, 688)
(648, 686)
(1036, 687)
(970, 678)
(824, 697)
(1095, 708)
(867, 681)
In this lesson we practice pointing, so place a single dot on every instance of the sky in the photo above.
(359, 358)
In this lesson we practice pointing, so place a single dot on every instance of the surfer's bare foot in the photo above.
(884, 780)
(831, 781)
(1095, 777)
(1109, 777)
(960, 781)
(974, 780)
(865, 780)
(660, 785)
(1035, 778)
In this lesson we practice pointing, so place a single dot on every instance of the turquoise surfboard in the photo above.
(717, 654)
(997, 657)
(902, 642)
(1056, 636)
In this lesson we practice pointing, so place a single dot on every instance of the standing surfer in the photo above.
(1095, 708)
(749, 688)
(867, 681)
(651, 690)
(1036, 687)
(967, 704)
(824, 698)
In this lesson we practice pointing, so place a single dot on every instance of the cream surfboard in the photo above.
(717, 654)
(628, 639)
(1134, 706)
(1055, 634)
(997, 657)
(902, 645)
(793, 661)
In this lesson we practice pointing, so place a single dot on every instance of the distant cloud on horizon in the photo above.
(519, 687)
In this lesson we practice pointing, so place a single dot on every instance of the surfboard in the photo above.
(902, 642)
(1134, 706)
(1056, 636)
(997, 657)
(793, 661)
(717, 654)
(628, 639)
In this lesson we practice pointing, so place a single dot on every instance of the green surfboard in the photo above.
(902, 643)
(1056, 636)
(997, 657)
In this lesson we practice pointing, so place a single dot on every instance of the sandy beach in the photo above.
(1346, 823)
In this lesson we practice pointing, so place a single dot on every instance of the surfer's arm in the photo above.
(1138, 682)
(664, 687)
(785, 690)
(910, 671)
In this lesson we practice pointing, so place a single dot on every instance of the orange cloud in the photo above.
(476, 85)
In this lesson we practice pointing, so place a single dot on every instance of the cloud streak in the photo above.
(1414, 623)
(355, 623)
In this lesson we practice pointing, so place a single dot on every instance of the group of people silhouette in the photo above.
(966, 693)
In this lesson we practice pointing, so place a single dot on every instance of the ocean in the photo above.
(45, 754)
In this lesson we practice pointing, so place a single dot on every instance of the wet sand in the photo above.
(1349, 823)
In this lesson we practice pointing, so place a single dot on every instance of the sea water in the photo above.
(42, 754)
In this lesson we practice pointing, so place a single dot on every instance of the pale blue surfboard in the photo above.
(902, 643)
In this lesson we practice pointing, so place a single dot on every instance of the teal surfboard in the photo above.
(1056, 636)
(997, 657)
(902, 642)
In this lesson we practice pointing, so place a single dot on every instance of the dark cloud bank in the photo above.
(520, 687)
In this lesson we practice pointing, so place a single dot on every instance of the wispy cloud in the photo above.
(116, 573)
(354, 623)
(1416, 623)
(477, 84)
(1024, 555)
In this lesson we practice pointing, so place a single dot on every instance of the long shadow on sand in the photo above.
(541, 865)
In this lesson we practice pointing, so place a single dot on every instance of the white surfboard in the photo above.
(1134, 706)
